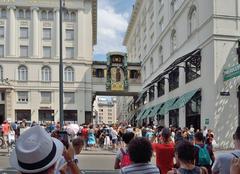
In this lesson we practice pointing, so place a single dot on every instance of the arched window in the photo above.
(160, 55)
(173, 40)
(46, 74)
(66, 16)
(50, 15)
(22, 73)
(69, 74)
(1, 73)
(21, 13)
(28, 14)
(44, 14)
(151, 65)
(73, 16)
(192, 19)
(3, 13)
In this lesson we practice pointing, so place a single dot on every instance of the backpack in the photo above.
(125, 159)
(203, 156)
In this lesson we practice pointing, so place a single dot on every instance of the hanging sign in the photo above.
(231, 72)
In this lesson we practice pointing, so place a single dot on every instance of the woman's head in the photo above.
(184, 152)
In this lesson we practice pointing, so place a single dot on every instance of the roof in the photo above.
(133, 17)
(94, 21)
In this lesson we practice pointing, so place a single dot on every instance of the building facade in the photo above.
(105, 109)
(29, 53)
(188, 50)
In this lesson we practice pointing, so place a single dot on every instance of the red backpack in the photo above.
(125, 159)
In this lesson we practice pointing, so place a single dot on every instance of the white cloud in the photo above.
(111, 28)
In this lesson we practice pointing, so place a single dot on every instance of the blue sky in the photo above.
(113, 17)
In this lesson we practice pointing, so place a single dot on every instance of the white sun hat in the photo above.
(35, 151)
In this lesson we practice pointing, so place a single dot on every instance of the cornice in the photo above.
(133, 17)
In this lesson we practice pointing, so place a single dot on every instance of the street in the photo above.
(90, 162)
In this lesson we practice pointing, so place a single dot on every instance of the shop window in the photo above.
(193, 68)
(174, 118)
(161, 87)
(193, 111)
(151, 93)
(174, 79)
(23, 115)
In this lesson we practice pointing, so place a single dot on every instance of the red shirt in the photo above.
(5, 128)
(164, 156)
(85, 133)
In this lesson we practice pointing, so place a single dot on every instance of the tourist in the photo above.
(204, 155)
(184, 154)
(140, 152)
(123, 152)
(235, 166)
(223, 161)
(91, 137)
(37, 153)
(164, 151)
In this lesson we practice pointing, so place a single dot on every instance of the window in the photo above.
(50, 15)
(1, 50)
(144, 73)
(28, 14)
(23, 51)
(2, 96)
(1, 32)
(174, 79)
(133, 74)
(73, 16)
(22, 73)
(44, 15)
(47, 33)
(161, 87)
(66, 15)
(69, 34)
(23, 33)
(174, 118)
(46, 97)
(47, 52)
(69, 97)
(151, 93)
(69, 52)
(109, 113)
(151, 65)
(192, 19)
(109, 118)
(1, 73)
(99, 73)
(109, 122)
(144, 98)
(20, 14)
(22, 96)
(193, 111)
(161, 25)
(69, 74)
(193, 68)
(46, 74)
(3, 13)
(160, 56)
(173, 41)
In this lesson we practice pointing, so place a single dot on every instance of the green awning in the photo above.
(184, 99)
(167, 106)
(155, 110)
(140, 114)
(148, 111)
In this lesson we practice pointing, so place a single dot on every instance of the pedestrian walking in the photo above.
(140, 152)
(184, 154)
(223, 161)
(164, 151)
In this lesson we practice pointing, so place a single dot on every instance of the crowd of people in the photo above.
(176, 150)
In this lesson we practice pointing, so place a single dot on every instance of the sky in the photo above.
(113, 17)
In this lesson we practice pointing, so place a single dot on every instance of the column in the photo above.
(11, 31)
(57, 30)
(9, 105)
(80, 34)
(166, 90)
(182, 77)
(155, 91)
(35, 33)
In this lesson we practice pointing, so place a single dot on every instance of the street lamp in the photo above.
(62, 4)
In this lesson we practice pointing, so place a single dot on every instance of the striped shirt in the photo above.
(140, 168)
